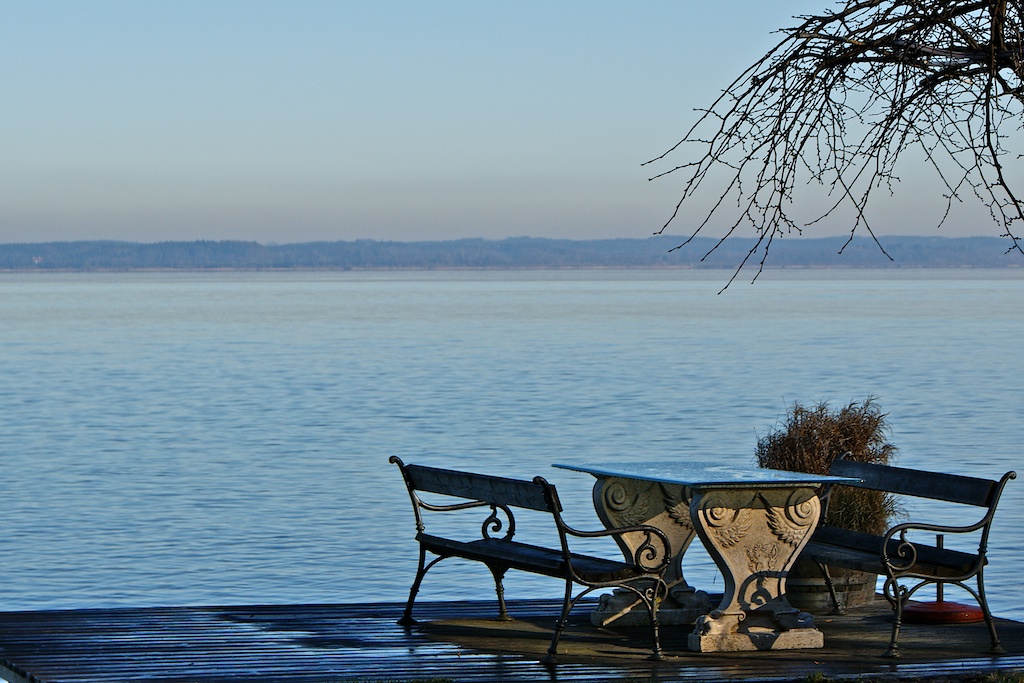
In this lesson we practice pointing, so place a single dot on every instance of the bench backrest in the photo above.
(489, 489)
(935, 485)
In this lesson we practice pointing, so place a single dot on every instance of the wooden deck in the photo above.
(457, 641)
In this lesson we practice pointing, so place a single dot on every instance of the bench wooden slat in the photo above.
(490, 489)
(527, 557)
(855, 550)
(919, 483)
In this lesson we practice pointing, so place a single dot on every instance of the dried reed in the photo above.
(811, 438)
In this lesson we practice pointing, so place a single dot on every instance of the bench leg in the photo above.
(659, 592)
(897, 596)
(996, 648)
(551, 658)
(498, 572)
(651, 597)
(421, 571)
(837, 606)
(894, 647)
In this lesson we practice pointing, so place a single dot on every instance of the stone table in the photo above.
(753, 523)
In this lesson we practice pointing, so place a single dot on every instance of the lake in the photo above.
(222, 438)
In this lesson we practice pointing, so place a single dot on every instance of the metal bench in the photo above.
(901, 559)
(493, 543)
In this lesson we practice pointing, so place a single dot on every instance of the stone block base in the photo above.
(796, 639)
(622, 608)
(671, 616)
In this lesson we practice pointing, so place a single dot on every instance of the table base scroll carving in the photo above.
(754, 536)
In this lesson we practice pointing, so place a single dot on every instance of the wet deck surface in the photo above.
(457, 641)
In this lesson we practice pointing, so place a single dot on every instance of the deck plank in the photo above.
(455, 640)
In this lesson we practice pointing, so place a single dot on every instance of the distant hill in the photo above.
(519, 252)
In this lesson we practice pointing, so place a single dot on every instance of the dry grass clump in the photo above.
(811, 438)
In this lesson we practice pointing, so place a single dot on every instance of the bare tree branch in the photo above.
(842, 99)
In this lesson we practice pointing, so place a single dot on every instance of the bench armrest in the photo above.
(450, 507)
(903, 528)
(900, 554)
(493, 524)
(654, 555)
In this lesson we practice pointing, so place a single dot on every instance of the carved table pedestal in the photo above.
(753, 523)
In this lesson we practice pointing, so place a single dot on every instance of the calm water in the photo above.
(223, 438)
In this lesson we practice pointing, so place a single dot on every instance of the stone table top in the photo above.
(704, 474)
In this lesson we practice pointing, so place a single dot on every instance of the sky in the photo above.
(303, 120)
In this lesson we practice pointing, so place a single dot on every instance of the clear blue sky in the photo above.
(307, 120)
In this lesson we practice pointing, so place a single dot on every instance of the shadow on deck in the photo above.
(454, 640)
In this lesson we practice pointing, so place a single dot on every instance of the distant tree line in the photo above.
(520, 252)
